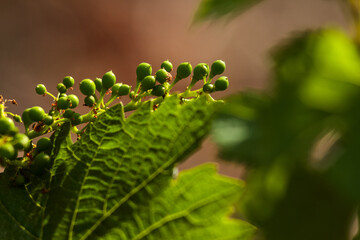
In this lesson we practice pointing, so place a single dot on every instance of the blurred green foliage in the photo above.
(219, 8)
(300, 139)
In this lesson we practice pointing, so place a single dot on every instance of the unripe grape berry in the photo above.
(74, 100)
(17, 118)
(221, 84)
(6, 125)
(29, 147)
(131, 94)
(167, 65)
(26, 118)
(7, 150)
(115, 89)
(13, 131)
(218, 67)
(76, 119)
(68, 81)
(200, 71)
(143, 70)
(21, 141)
(147, 83)
(63, 103)
(48, 120)
(40, 89)
(158, 90)
(87, 87)
(61, 88)
(63, 95)
(162, 76)
(40, 163)
(124, 90)
(108, 80)
(44, 144)
(98, 84)
(19, 180)
(36, 114)
(89, 101)
(208, 88)
(184, 70)
(68, 113)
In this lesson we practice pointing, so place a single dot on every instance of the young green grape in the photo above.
(74, 100)
(115, 89)
(162, 76)
(40, 163)
(44, 144)
(76, 119)
(68, 113)
(208, 88)
(26, 118)
(183, 71)
(61, 88)
(124, 90)
(217, 68)
(158, 90)
(87, 87)
(21, 141)
(200, 71)
(132, 95)
(108, 80)
(221, 84)
(40, 89)
(98, 84)
(7, 151)
(6, 125)
(48, 120)
(147, 83)
(63, 95)
(68, 81)
(63, 103)
(36, 114)
(89, 101)
(143, 70)
(167, 65)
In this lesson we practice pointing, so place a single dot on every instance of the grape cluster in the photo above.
(36, 159)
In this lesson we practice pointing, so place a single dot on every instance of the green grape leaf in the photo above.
(219, 8)
(20, 215)
(22, 207)
(119, 163)
(194, 206)
(61, 139)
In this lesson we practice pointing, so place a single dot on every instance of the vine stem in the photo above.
(135, 105)
(51, 95)
(90, 117)
(113, 97)
(100, 101)
(2, 110)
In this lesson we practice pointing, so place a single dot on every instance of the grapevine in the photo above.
(37, 122)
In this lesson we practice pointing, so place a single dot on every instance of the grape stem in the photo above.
(92, 115)
(51, 95)
(113, 97)
(2, 108)
(100, 101)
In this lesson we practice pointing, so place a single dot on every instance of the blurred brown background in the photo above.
(42, 41)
